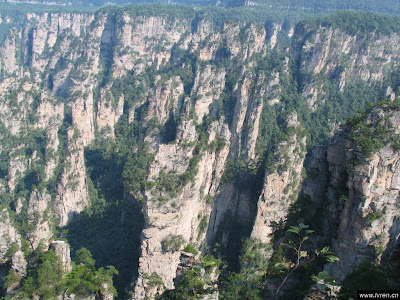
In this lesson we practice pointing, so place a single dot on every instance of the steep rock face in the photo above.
(254, 115)
(280, 186)
(50, 47)
(39, 213)
(48, 59)
(72, 194)
(164, 100)
(208, 86)
(50, 115)
(14, 109)
(369, 226)
(82, 117)
(186, 211)
(360, 195)
(8, 235)
(201, 114)
(143, 40)
(49, 26)
(242, 92)
(317, 180)
(345, 57)
(62, 249)
(17, 166)
(9, 60)
(108, 113)
(248, 94)
(252, 94)
(10, 249)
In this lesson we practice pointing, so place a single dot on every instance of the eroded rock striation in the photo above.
(217, 119)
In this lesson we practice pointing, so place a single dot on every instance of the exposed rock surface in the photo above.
(72, 194)
(8, 235)
(281, 186)
(62, 249)
(360, 195)
(39, 214)
(108, 113)
(369, 226)
(17, 166)
(19, 264)
(201, 117)
(325, 53)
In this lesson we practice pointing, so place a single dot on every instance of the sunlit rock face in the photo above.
(211, 105)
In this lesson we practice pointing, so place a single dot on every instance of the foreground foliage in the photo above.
(48, 279)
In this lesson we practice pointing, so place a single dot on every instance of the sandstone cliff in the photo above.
(223, 110)
(368, 218)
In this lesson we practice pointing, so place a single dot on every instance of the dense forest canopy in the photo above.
(314, 6)
(284, 11)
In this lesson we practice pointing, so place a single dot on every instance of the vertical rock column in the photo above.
(62, 250)
(281, 185)
(39, 215)
(72, 194)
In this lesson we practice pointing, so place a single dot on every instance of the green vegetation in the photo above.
(301, 7)
(384, 6)
(301, 256)
(11, 279)
(84, 279)
(169, 11)
(368, 276)
(16, 13)
(280, 10)
(372, 216)
(47, 278)
(371, 131)
(12, 250)
(172, 243)
(337, 108)
(249, 282)
(266, 11)
(357, 23)
(196, 282)
(110, 227)
(269, 129)
(153, 280)
(203, 225)
(117, 168)
(191, 249)
(134, 174)
(134, 88)
(294, 258)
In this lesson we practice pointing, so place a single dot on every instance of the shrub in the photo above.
(368, 276)
(154, 280)
(373, 216)
(172, 243)
(11, 279)
(203, 225)
(191, 249)
(12, 250)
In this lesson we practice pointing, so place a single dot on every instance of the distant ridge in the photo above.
(312, 6)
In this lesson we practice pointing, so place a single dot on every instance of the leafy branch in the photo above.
(324, 281)
(302, 256)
